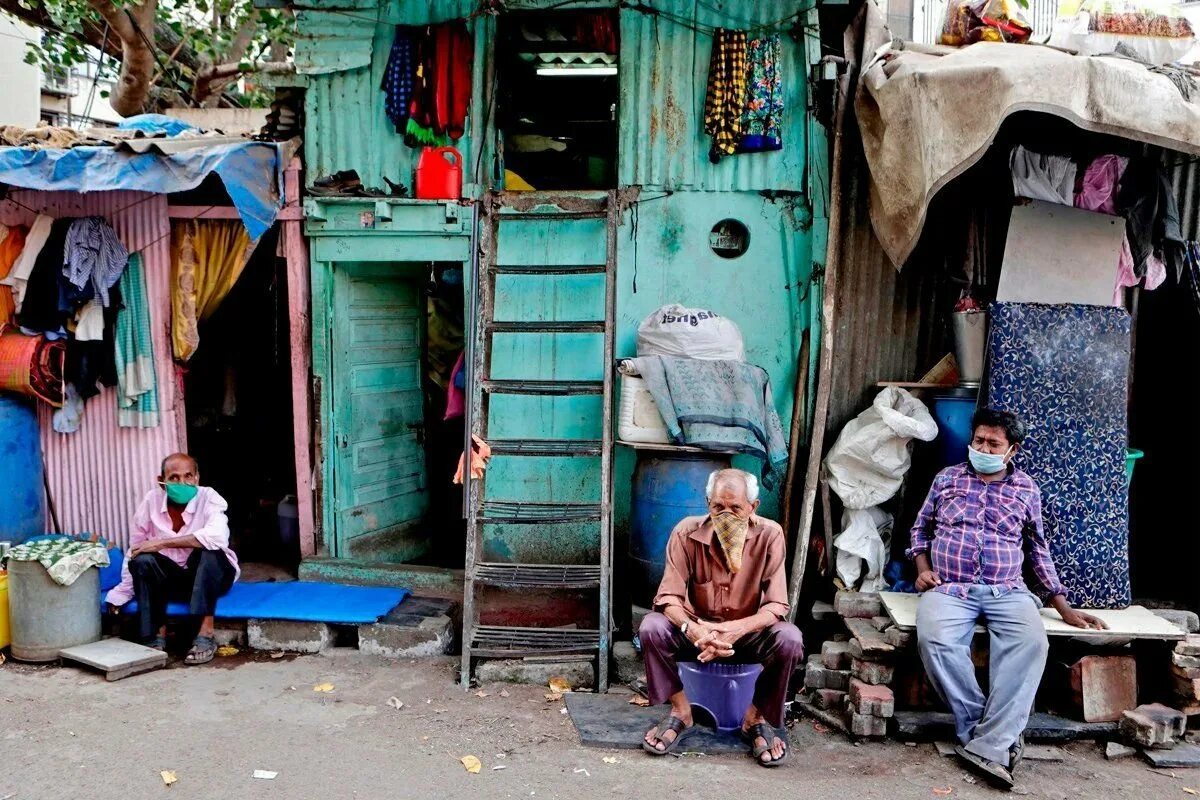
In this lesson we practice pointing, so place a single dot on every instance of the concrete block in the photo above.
(1115, 750)
(871, 643)
(1190, 646)
(878, 701)
(1182, 756)
(431, 636)
(864, 724)
(857, 605)
(577, 673)
(899, 639)
(837, 679)
(628, 662)
(871, 672)
(1104, 687)
(1188, 662)
(1185, 620)
(881, 623)
(288, 635)
(116, 658)
(822, 611)
(835, 655)
(1153, 725)
(1186, 673)
(1187, 688)
(829, 699)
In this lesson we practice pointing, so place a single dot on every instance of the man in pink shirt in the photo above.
(178, 550)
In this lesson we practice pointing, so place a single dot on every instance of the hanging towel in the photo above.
(208, 258)
(10, 251)
(725, 99)
(41, 309)
(93, 253)
(762, 119)
(454, 57)
(398, 78)
(18, 276)
(137, 387)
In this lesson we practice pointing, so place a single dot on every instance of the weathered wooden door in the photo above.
(378, 414)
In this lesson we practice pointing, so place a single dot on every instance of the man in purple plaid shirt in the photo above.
(979, 526)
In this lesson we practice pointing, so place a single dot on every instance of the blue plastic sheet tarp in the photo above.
(251, 171)
(303, 601)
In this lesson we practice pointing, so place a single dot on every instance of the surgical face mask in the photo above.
(181, 493)
(987, 463)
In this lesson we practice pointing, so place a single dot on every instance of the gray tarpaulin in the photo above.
(927, 114)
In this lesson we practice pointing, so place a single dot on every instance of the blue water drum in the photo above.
(666, 488)
(953, 409)
(23, 510)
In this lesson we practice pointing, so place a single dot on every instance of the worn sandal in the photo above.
(997, 775)
(669, 723)
(202, 652)
(767, 732)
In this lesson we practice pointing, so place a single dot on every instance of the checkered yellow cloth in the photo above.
(725, 99)
(64, 559)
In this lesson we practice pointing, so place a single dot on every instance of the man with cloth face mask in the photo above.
(723, 596)
(178, 550)
(979, 526)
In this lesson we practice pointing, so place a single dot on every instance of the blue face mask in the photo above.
(987, 463)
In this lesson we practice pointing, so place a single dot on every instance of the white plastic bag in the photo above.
(871, 456)
(675, 330)
(865, 538)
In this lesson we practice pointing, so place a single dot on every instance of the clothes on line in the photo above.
(10, 250)
(68, 418)
(89, 363)
(762, 119)
(456, 398)
(18, 276)
(93, 254)
(137, 386)
(725, 97)
(40, 308)
(427, 82)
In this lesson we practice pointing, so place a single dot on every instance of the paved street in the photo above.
(68, 733)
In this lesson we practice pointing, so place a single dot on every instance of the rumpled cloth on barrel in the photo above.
(32, 366)
(718, 405)
(64, 559)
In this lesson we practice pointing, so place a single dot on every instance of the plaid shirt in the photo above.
(978, 532)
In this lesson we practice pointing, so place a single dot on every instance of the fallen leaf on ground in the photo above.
(482, 693)
(584, 772)
(639, 700)
(611, 760)
(395, 703)
(1190, 791)
(553, 697)
(168, 776)
(264, 774)
(227, 650)
(504, 692)
(471, 764)
(324, 688)
(943, 791)
(560, 685)
(276, 655)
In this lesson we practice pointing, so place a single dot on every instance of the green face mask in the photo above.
(181, 493)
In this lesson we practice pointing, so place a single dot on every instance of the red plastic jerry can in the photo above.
(438, 177)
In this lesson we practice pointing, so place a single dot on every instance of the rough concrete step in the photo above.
(423, 581)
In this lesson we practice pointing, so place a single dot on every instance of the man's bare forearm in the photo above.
(181, 542)
(922, 562)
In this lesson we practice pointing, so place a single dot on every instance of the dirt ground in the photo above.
(65, 732)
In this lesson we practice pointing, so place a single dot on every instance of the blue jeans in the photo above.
(986, 726)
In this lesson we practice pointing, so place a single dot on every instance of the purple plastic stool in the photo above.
(725, 691)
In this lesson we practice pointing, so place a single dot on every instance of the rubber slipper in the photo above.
(668, 723)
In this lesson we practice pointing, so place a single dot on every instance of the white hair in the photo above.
(749, 480)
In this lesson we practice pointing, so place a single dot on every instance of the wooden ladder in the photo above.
(501, 641)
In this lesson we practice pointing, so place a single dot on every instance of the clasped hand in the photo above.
(716, 639)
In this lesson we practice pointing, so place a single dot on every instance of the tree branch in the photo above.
(134, 26)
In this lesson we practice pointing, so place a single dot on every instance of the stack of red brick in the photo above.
(1185, 668)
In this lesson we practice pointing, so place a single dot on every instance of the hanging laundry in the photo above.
(1101, 180)
(456, 398)
(207, 259)
(398, 77)
(419, 130)
(595, 29)
(1151, 216)
(725, 99)
(137, 386)
(40, 308)
(1191, 265)
(89, 363)
(18, 277)
(454, 54)
(93, 254)
(89, 322)
(68, 418)
(481, 452)
(762, 120)
(10, 250)
(1040, 176)
(32, 366)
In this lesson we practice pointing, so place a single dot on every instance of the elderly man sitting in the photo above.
(179, 549)
(723, 597)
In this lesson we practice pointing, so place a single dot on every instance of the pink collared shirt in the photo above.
(203, 518)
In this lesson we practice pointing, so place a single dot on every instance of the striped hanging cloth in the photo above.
(725, 99)
(137, 387)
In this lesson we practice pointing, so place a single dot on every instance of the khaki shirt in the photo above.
(697, 579)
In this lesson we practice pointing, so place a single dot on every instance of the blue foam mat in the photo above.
(302, 601)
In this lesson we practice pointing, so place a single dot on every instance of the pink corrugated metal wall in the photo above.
(98, 474)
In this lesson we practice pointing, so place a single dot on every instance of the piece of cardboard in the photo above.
(1059, 254)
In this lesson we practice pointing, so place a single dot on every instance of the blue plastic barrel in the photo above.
(666, 488)
(23, 511)
(953, 409)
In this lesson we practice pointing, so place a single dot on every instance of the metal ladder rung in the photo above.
(504, 512)
(495, 641)
(549, 269)
(530, 216)
(547, 326)
(545, 447)
(542, 387)
(534, 576)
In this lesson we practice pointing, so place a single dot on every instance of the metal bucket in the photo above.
(970, 341)
(45, 617)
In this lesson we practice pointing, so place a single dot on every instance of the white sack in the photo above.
(865, 538)
(675, 330)
(871, 456)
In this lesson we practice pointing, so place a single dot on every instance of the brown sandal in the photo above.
(668, 723)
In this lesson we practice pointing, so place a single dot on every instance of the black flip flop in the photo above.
(202, 652)
(668, 723)
(767, 732)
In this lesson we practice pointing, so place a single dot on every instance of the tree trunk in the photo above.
(134, 27)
